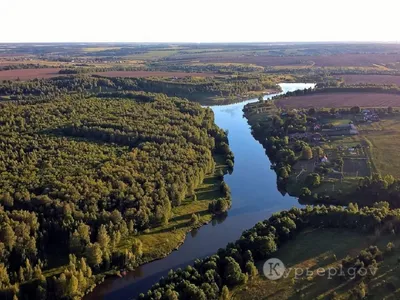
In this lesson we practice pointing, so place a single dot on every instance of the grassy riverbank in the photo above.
(160, 241)
(217, 100)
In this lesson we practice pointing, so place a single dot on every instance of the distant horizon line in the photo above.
(217, 43)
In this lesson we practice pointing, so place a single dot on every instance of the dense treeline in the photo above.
(210, 278)
(334, 86)
(90, 69)
(273, 135)
(363, 71)
(193, 88)
(363, 88)
(208, 68)
(81, 174)
(369, 191)
(190, 88)
(295, 93)
(161, 66)
(49, 88)
(331, 71)
(26, 66)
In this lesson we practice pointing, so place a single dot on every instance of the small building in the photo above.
(324, 159)
(375, 118)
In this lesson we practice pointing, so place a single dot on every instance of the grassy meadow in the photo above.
(384, 140)
(325, 248)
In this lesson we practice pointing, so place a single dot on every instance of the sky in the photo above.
(198, 20)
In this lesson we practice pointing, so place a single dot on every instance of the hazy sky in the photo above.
(198, 20)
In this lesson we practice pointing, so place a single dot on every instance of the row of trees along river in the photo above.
(254, 198)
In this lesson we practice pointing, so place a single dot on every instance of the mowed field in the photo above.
(152, 74)
(340, 100)
(27, 74)
(323, 248)
(384, 140)
(373, 79)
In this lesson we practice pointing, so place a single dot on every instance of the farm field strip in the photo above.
(372, 79)
(153, 74)
(340, 100)
(27, 74)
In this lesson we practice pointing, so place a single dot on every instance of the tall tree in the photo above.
(94, 255)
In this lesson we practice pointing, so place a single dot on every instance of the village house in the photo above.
(370, 116)
(353, 129)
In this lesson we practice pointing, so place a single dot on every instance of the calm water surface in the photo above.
(254, 198)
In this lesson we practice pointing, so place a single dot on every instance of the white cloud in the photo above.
(197, 21)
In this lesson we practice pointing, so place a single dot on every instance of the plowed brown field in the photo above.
(26, 74)
(377, 79)
(340, 100)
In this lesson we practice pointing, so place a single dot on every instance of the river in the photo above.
(254, 198)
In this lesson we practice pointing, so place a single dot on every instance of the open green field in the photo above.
(156, 54)
(384, 140)
(325, 248)
(97, 49)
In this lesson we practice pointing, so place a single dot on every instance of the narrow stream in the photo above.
(254, 198)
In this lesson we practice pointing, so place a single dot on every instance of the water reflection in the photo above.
(255, 197)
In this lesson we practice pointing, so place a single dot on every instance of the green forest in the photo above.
(203, 90)
(80, 174)
(108, 162)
